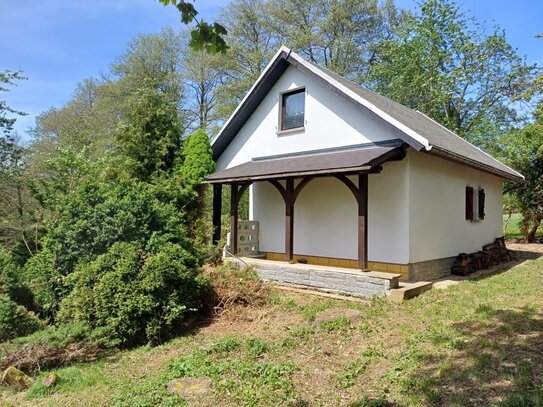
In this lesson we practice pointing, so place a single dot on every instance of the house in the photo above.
(343, 177)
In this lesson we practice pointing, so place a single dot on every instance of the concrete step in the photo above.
(409, 290)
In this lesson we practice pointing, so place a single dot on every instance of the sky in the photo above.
(58, 43)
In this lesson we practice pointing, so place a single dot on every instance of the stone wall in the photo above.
(329, 279)
(431, 269)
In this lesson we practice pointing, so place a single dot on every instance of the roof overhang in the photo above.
(447, 155)
(364, 159)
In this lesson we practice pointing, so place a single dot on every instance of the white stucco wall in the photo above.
(330, 121)
(437, 222)
(326, 217)
(415, 213)
(416, 206)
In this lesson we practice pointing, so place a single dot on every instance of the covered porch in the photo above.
(290, 175)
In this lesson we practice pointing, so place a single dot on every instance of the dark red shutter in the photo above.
(481, 204)
(469, 203)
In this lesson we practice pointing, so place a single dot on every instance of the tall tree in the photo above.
(446, 65)
(15, 202)
(18, 226)
(252, 42)
(149, 136)
(8, 78)
(340, 35)
(153, 61)
(523, 150)
(203, 74)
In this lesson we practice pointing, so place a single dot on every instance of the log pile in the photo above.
(491, 255)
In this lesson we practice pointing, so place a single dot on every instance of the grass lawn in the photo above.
(511, 226)
(479, 342)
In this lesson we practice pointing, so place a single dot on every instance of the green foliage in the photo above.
(523, 150)
(149, 136)
(131, 295)
(16, 320)
(45, 282)
(6, 123)
(10, 281)
(447, 66)
(88, 222)
(59, 336)
(71, 379)
(198, 159)
(208, 37)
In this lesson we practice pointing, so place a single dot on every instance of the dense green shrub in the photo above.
(11, 283)
(90, 221)
(198, 162)
(132, 295)
(16, 320)
(198, 159)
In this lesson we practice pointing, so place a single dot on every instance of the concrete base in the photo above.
(325, 278)
(409, 290)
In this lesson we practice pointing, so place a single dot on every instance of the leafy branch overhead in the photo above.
(208, 37)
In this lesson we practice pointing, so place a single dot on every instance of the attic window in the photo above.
(292, 111)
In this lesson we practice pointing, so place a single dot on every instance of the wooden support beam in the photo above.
(289, 219)
(363, 221)
(244, 187)
(350, 184)
(301, 186)
(234, 201)
(217, 210)
(280, 188)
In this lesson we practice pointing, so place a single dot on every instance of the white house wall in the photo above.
(326, 217)
(330, 121)
(438, 227)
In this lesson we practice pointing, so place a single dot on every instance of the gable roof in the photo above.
(418, 130)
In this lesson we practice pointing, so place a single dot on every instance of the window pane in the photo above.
(293, 110)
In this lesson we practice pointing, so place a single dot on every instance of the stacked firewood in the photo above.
(491, 255)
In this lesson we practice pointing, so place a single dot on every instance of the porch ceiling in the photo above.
(357, 160)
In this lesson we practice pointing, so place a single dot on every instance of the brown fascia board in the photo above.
(249, 105)
(447, 155)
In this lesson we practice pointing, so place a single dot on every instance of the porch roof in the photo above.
(362, 159)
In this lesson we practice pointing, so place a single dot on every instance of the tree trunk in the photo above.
(530, 237)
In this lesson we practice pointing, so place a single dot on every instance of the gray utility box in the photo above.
(247, 238)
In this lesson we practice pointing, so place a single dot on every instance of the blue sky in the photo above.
(58, 43)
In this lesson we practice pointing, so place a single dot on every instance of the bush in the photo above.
(90, 221)
(10, 282)
(16, 320)
(132, 295)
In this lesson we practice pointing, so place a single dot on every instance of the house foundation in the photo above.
(324, 278)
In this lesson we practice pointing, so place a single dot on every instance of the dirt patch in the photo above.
(526, 250)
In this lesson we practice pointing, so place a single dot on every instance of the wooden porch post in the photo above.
(363, 221)
(289, 220)
(217, 210)
(234, 218)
